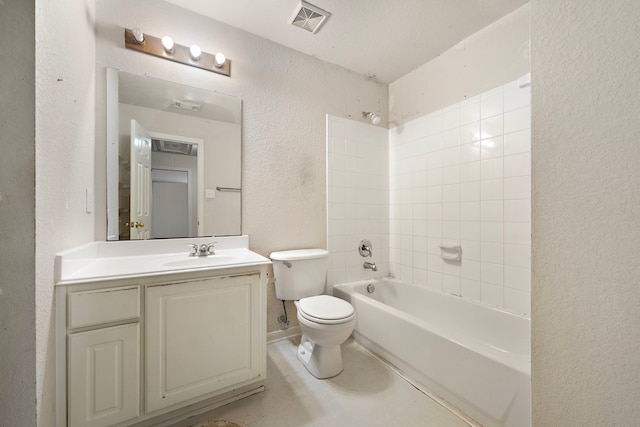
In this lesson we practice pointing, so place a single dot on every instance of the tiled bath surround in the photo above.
(358, 198)
(462, 175)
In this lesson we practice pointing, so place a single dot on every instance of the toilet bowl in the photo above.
(325, 321)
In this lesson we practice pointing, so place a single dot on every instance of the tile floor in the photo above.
(367, 393)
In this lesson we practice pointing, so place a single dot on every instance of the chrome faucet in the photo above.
(370, 265)
(202, 250)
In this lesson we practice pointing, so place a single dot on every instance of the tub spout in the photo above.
(370, 265)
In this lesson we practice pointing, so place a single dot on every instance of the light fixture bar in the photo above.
(182, 54)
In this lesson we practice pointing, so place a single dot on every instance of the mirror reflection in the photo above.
(178, 164)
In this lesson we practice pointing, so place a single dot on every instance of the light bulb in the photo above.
(195, 52)
(137, 35)
(167, 43)
(220, 60)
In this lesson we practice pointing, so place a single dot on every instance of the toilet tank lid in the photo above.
(299, 254)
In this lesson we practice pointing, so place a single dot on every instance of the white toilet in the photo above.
(325, 321)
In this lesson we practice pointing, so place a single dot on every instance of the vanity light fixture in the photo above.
(165, 48)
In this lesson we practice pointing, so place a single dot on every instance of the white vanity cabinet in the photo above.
(199, 337)
(103, 360)
(148, 348)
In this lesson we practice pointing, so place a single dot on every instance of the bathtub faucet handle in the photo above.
(365, 248)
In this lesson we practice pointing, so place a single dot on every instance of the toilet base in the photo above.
(321, 361)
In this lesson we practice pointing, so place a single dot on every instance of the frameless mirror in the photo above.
(173, 160)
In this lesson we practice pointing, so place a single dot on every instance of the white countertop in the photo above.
(101, 261)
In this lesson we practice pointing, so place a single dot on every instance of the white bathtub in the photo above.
(474, 357)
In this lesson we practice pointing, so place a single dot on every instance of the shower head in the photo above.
(372, 117)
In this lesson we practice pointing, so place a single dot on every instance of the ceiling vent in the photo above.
(308, 17)
(173, 147)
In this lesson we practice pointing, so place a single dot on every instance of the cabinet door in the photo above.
(201, 337)
(104, 376)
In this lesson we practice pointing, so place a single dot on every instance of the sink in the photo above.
(208, 261)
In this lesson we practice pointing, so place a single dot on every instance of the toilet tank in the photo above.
(299, 273)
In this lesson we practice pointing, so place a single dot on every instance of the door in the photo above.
(103, 383)
(140, 205)
(201, 338)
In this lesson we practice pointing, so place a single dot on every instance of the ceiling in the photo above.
(385, 39)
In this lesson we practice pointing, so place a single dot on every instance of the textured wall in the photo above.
(17, 214)
(497, 54)
(586, 205)
(65, 134)
(285, 95)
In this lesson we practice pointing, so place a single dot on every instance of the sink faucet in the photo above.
(370, 265)
(202, 250)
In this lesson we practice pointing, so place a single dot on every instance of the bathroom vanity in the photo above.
(144, 332)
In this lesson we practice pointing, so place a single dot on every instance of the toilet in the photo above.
(325, 321)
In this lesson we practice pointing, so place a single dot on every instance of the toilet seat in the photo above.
(325, 309)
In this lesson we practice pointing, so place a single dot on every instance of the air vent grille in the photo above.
(309, 17)
(174, 147)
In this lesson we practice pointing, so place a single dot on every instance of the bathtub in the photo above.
(475, 358)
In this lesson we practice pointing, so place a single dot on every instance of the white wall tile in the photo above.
(517, 301)
(470, 191)
(470, 289)
(518, 142)
(492, 295)
(491, 104)
(470, 211)
(470, 133)
(515, 98)
(518, 187)
(451, 284)
(517, 255)
(470, 270)
(516, 120)
(491, 168)
(517, 278)
(492, 147)
(517, 210)
(460, 174)
(491, 127)
(517, 232)
(492, 189)
(517, 164)
(451, 174)
(470, 110)
(492, 231)
(469, 152)
(492, 273)
(469, 171)
(491, 252)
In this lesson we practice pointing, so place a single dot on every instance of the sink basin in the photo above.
(208, 261)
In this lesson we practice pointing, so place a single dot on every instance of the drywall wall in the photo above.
(285, 95)
(65, 134)
(497, 54)
(586, 200)
(17, 215)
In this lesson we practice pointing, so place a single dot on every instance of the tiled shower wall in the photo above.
(358, 198)
(462, 175)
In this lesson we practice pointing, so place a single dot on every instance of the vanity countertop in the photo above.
(102, 261)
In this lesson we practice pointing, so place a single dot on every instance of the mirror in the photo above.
(173, 160)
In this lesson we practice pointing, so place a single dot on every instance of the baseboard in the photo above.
(282, 334)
